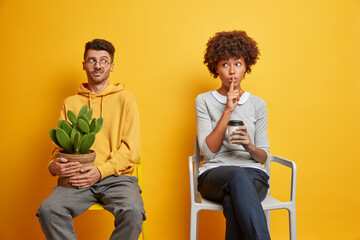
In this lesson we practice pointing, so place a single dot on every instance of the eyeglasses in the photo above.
(92, 62)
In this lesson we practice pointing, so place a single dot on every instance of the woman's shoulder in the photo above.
(257, 100)
(203, 96)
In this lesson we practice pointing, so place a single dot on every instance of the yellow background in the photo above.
(308, 74)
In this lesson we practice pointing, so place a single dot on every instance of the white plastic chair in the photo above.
(269, 203)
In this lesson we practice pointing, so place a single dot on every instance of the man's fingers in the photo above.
(64, 162)
(85, 169)
(74, 164)
(61, 160)
(70, 174)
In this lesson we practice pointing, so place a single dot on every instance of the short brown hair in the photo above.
(225, 45)
(100, 44)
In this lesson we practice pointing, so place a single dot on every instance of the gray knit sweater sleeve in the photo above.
(204, 124)
(254, 114)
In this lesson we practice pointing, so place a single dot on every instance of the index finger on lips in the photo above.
(231, 86)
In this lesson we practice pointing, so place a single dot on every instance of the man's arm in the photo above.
(128, 151)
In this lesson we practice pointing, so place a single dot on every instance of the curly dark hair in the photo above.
(224, 45)
(100, 44)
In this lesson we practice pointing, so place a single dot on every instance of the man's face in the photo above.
(98, 66)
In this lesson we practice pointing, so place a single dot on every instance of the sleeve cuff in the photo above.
(107, 170)
(206, 151)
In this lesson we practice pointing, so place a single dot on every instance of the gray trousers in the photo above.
(120, 195)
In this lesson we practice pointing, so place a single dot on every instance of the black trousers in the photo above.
(240, 190)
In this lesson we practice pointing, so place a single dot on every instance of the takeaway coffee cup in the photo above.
(232, 126)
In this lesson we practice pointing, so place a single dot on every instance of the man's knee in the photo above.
(137, 212)
(48, 210)
(44, 212)
(133, 213)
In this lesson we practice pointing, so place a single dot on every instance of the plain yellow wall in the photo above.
(308, 74)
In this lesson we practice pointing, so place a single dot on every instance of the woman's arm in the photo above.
(259, 149)
(215, 139)
(242, 137)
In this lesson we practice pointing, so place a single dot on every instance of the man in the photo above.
(117, 148)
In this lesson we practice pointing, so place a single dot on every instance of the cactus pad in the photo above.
(64, 139)
(83, 110)
(72, 117)
(83, 117)
(83, 126)
(99, 125)
(89, 140)
(89, 114)
(78, 135)
(66, 126)
(53, 137)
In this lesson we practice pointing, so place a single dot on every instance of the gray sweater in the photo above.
(250, 109)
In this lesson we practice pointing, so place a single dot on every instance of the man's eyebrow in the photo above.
(95, 57)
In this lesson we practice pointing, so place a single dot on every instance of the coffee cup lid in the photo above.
(236, 123)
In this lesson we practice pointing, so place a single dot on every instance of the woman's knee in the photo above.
(239, 177)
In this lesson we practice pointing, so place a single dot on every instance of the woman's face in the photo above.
(229, 70)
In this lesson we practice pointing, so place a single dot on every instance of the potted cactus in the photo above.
(76, 138)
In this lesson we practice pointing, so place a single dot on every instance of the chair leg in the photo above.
(267, 215)
(292, 223)
(144, 231)
(194, 224)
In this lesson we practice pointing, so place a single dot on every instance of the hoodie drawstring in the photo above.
(101, 104)
(89, 100)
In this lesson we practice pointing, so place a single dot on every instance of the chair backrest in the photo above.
(267, 166)
(194, 164)
(138, 171)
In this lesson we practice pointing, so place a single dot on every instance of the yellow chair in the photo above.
(138, 174)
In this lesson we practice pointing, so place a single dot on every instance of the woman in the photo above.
(232, 174)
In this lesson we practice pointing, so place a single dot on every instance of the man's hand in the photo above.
(90, 177)
(62, 168)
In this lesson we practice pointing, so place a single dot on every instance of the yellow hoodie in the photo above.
(117, 145)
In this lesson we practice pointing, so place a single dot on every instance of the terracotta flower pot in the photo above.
(86, 160)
